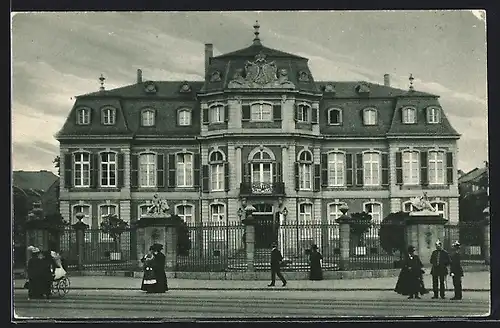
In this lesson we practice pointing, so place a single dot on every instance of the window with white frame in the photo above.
(143, 209)
(436, 167)
(411, 167)
(108, 116)
(217, 171)
(370, 116)
(108, 169)
(262, 169)
(433, 115)
(83, 116)
(408, 207)
(185, 212)
(375, 209)
(261, 112)
(305, 170)
(371, 168)
(184, 117)
(81, 169)
(409, 115)
(334, 212)
(216, 114)
(104, 211)
(336, 172)
(218, 213)
(440, 208)
(305, 213)
(85, 210)
(148, 117)
(303, 113)
(184, 170)
(334, 116)
(147, 170)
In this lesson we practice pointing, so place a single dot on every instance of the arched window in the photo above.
(81, 169)
(148, 117)
(433, 115)
(82, 208)
(408, 207)
(147, 170)
(411, 167)
(105, 210)
(409, 115)
(436, 167)
(303, 113)
(305, 160)
(336, 172)
(216, 161)
(370, 116)
(185, 212)
(371, 168)
(334, 116)
(108, 116)
(440, 208)
(108, 169)
(261, 167)
(216, 113)
(261, 112)
(184, 117)
(184, 170)
(375, 209)
(305, 213)
(83, 116)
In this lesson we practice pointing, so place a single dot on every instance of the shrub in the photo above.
(392, 232)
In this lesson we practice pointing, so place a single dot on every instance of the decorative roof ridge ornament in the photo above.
(102, 79)
(256, 40)
(411, 78)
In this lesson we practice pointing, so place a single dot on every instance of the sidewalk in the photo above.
(473, 281)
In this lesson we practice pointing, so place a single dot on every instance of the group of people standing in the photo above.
(410, 280)
(43, 268)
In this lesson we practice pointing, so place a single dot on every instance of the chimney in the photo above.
(209, 53)
(387, 80)
(139, 76)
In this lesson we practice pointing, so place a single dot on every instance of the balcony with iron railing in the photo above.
(262, 189)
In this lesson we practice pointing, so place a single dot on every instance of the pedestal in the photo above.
(422, 231)
(344, 235)
(80, 243)
(250, 242)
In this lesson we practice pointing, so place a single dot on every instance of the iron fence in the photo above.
(471, 237)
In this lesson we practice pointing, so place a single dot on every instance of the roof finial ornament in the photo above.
(411, 78)
(102, 79)
(256, 40)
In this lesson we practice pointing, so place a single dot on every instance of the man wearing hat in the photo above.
(276, 259)
(440, 260)
(456, 271)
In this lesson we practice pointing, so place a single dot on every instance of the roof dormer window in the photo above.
(303, 113)
(83, 116)
(148, 117)
(433, 115)
(334, 116)
(370, 116)
(409, 115)
(108, 116)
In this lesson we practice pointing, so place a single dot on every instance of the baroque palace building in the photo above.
(258, 130)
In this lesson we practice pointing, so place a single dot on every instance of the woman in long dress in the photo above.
(148, 278)
(315, 257)
(158, 265)
(410, 278)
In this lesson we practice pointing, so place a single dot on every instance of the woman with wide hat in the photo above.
(410, 278)
(315, 257)
(158, 266)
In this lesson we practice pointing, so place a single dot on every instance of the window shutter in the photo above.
(275, 172)
(205, 183)
(317, 177)
(94, 170)
(160, 170)
(324, 170)
(226, 113)
(424, 175)
(349, 170)
(449, 167)
(196, 170)
(279, 172)
(314, 116)
(359, 169)
(277, 112)
(68, 170)
(205, 116)
(245, 112)
(246, 173)
(134, 170)
(226, 177)
(385, 169)
(399, 168)
(296, 116)
(171, 171)
(121, 170)
(428, 115)
(297, 176)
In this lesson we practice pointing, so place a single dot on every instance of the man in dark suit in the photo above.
(440, 260)
(276, 259)
(456, 271)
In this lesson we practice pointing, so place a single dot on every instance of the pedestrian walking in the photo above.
(39, 275)
(148, 277)
(158, 266)
(456, 271)
(440, 260)
(315, 258)
(410, 280)
(276, 259)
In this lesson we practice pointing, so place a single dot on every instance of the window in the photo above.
(184, 170)
(440, 208)
(105, 210)
(108, 169)
(305, 212)
(370, 116)
(408, 207)
(217, 213)
(436, 167)
(336, 162)
(261, 171)
(108, 116)
(334, 116)
(217, 171)
(261, 112)
(303, 113)
(371, 169)
(147, 170)
(333, 214)
(409, 115)
(375, 209)
(216, 114)
(305, 170)
(433, 115)
(83, 116)
(85, 209)
(148, 117)
(82, 170)
(143, 209)
(411, 167)
(184, 117)
(185, 212)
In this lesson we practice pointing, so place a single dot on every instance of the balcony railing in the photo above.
(262, 188)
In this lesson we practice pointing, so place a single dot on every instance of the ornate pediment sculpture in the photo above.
(159, 207)
(422, 204)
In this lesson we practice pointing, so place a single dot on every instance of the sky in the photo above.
(57, 56)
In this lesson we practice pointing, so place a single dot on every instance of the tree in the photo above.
(114, 227)
(183, 236)
(360, 224)
(392, 232)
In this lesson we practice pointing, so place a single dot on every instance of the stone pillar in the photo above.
(238, 167)
(249, 238)
(80, 240)
(422, 231)
(486, 251)
(171, 248)
(344, 236)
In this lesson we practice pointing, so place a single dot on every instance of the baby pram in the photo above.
(61, 283)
